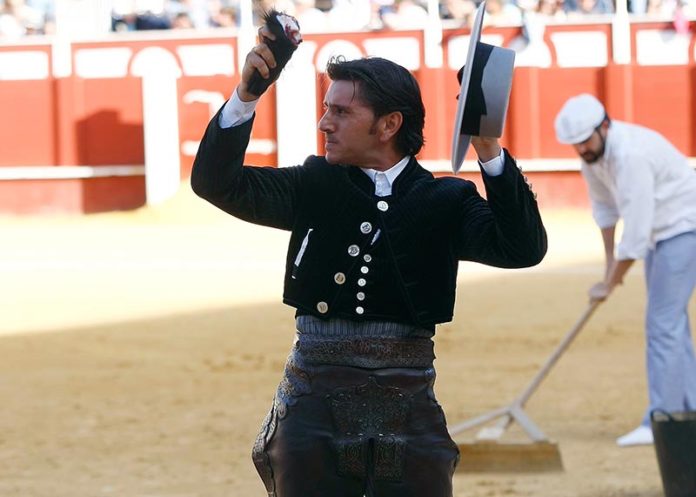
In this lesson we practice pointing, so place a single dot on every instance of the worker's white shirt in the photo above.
(643, 179)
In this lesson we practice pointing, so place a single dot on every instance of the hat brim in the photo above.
(460, 142)
(575, 139)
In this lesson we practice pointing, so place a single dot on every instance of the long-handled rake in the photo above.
(487, 453)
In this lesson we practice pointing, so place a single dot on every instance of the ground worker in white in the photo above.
(635, 174)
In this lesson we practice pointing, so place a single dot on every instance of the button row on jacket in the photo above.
(526, 180)
(360, 296)
(354, 251)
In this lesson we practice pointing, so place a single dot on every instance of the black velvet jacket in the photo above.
(357, 256)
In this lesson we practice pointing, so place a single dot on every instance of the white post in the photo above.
(621, 34)
(159, 71)
(61, 57)
(296, 96)
(432, 36)
(246, 35)
(161, 132)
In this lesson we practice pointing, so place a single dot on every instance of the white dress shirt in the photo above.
(236, 112)
(643, 179)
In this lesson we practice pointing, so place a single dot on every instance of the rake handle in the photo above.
(514, 411)
(553, 359)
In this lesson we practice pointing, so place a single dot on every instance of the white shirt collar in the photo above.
(392, 173)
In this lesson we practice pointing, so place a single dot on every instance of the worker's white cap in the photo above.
(578, 119)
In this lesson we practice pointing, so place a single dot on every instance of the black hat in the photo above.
(486, 80)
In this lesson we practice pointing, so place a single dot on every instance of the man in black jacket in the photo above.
(371, 269)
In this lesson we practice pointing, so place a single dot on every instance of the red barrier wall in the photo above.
(72, 137)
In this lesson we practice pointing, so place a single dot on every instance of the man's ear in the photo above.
(390, 124)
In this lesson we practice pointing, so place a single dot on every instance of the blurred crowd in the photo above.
(25, 17)
(135, 15)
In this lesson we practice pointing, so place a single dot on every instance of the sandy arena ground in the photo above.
(139, 353)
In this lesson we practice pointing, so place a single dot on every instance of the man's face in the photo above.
(592, 149)
(348, 125)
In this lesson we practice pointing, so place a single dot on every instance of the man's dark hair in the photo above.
(386, 87)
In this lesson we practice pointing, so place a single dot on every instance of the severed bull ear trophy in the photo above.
(287, 32)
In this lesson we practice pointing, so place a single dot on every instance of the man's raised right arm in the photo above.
(209, 174)
(262, 195)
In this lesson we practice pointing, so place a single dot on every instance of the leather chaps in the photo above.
(346, 431)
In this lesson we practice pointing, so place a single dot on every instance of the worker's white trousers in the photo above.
(670, 273)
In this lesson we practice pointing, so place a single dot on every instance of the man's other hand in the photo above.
(599, 292)
(486, 148)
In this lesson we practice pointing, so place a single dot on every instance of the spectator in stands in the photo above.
(502, 12)
(182, 20)
(47, 9)
(17, 19)
(589, 7)
(261, 6)
(377, 10)
(551, 9)
(530, 47)
(224, 17)
(681, 19)
(459, 10)
(196, 10)
(147, 21)
(311, 19)
(660, 8)
(407, 14)
(138, 15)
(350, 15)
